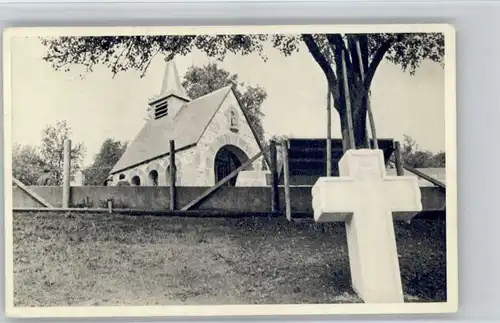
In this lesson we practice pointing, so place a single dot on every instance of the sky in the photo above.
(100, 106)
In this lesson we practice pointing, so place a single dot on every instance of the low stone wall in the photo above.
(249, 199)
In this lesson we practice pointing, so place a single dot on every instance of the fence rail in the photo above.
(399, 164)
(223, 181)
(33, 195)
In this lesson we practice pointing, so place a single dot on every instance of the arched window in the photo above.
(122, 176)
(153, 178)
(136, 181)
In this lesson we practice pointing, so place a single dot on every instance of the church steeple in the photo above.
(172, 94)
(172, 83)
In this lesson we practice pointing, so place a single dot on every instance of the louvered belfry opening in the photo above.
(172, 95)
(161, 110)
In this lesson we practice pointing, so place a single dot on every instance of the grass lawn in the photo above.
(76, 259)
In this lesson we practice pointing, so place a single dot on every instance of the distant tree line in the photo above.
(43, 164)
(415, 157)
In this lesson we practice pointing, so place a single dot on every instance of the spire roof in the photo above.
(171, 84)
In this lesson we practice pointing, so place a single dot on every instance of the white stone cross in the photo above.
(365, 199)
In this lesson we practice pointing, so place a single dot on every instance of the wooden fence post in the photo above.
(110, 205)
(274, 177)
(329, 133)
(350, 127)
(286, 178)
(66, 173)
(173, 177)
(397, 158)
(368, 104)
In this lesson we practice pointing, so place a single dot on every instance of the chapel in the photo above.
(212, 137)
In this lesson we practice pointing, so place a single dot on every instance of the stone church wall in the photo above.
(184, 163)
(220, 133)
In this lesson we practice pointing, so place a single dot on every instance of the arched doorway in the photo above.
(227, 159)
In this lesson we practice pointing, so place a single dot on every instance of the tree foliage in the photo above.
(27, 165)
(415, 157)
(109, 154)
(199, 81)
(407, 50)
(52, 151)
(29, 162)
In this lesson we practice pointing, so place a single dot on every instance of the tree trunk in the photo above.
(356, 87)
(360, 133)
(344, 130)
(341, 102)
(360, 118)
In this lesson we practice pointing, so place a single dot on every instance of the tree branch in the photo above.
(372, 67)
(127, 49)
(337, 42)
(377, 58)
(149, 62)
(322, 62)
(353, 53)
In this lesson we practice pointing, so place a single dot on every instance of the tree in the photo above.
(52, 151)
(439, 160)
(199, 81)
(30, 164)
(414, 157)
(27, 165)
(407, 50)
(104, 160)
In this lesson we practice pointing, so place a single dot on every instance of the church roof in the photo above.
(186, 129)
